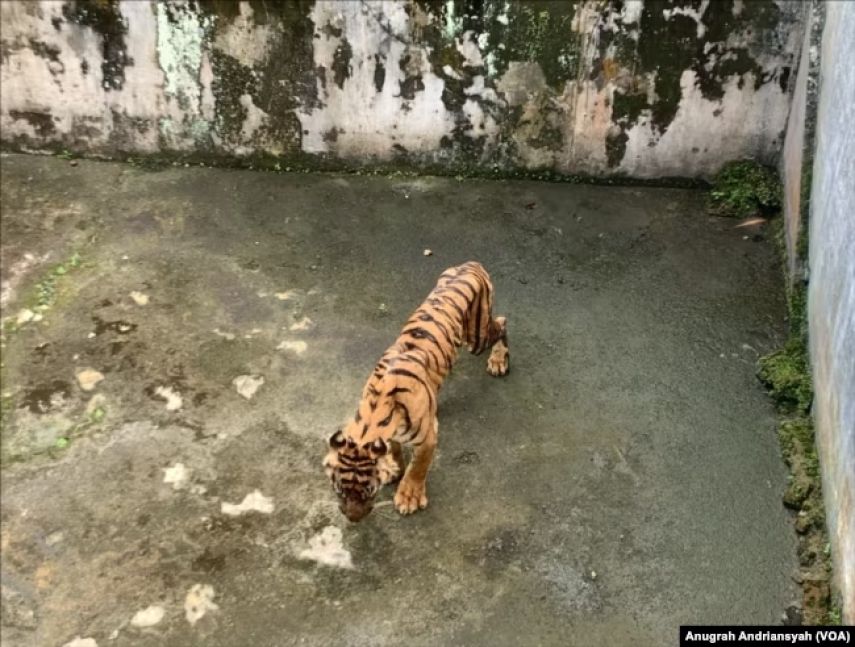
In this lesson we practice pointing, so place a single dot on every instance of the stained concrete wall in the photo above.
(831, 302)
(643, 88)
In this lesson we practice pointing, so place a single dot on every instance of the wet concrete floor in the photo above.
(623, 479)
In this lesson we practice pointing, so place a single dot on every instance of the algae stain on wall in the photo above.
(594, 87)
(697, 65)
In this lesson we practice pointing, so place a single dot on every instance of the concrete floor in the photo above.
(623, 479)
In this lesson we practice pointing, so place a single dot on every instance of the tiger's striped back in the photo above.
(411, 371)
(399, 400)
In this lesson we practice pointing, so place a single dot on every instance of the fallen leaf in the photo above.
(748, 222)
(139, 298)
(89, 378)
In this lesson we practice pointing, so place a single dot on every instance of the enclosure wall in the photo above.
(639, 88)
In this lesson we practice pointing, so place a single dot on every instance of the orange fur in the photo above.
(399, 401)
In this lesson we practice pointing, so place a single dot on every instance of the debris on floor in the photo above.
(89, 378)
(139, 298)
(199, 601)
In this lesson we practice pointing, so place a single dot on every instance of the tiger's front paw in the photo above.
(498, 363)
(410, 496)
(497, 366)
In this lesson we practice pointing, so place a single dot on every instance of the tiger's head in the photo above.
(357, 472)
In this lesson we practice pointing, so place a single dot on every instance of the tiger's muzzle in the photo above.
(355, 509)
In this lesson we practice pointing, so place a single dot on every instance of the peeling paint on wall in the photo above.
(595, 87)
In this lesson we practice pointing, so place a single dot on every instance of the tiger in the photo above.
(399, 401)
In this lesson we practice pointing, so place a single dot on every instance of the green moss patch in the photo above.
(44, 294)
(745, 188)
(786, 374)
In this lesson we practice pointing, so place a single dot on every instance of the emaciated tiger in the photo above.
(399, 401)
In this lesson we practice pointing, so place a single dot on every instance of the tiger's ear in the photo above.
(379, 448)
(337, 440)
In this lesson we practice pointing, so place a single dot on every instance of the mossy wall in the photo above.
(604, 88)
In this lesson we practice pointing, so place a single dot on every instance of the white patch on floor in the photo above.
(285, 296)
(247, 385)
(81, 642)
(304, 324)
(199, 600)
(177, 476)
(172, 397)
(139, 298)
(55, 538)
(89, 378)
(148, 617)
(226, 335)
(298, 347)
(25, 316)
(326, 548)
(255, 501)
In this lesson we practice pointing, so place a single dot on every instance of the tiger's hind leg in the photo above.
(498, 363)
